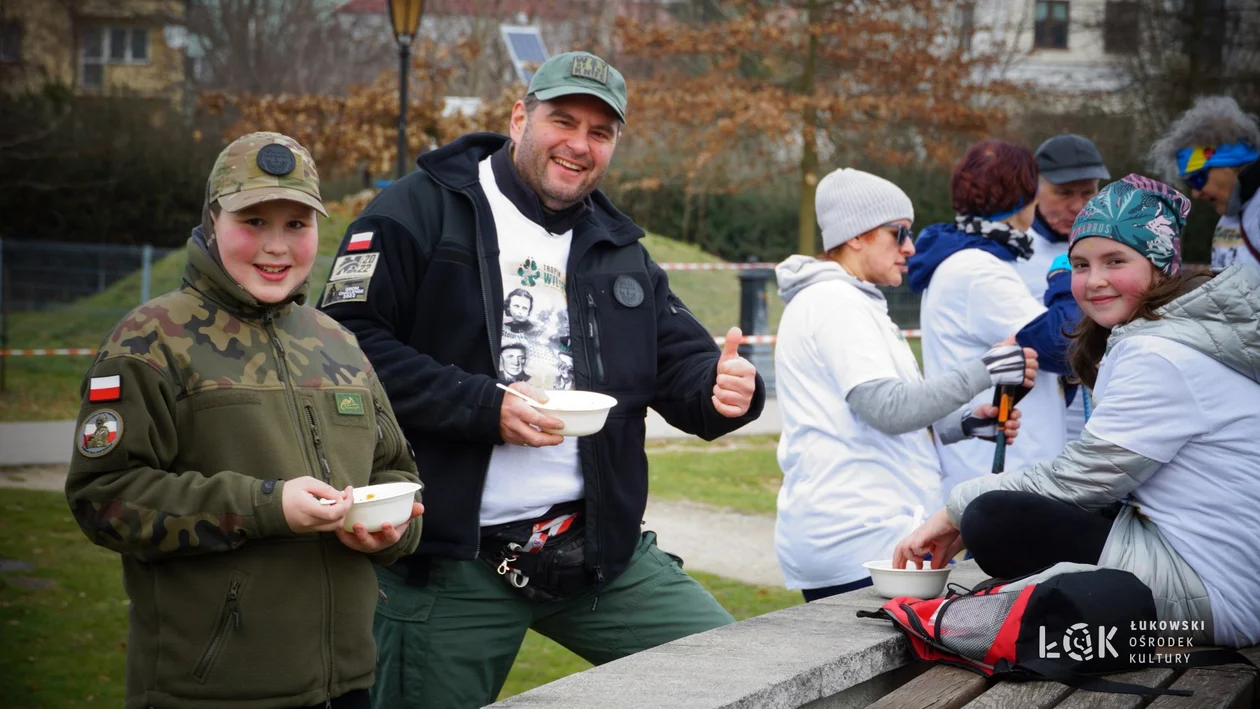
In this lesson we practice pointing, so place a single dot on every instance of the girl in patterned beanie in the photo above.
(1125, 255)
(1161, 482)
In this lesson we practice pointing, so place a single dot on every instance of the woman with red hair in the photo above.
(973, 296)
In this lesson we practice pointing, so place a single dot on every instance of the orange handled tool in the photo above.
(1002, 399)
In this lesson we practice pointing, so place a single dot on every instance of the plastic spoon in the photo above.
(918, 521)
(514, 392)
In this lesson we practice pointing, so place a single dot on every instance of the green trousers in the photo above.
(452, 642)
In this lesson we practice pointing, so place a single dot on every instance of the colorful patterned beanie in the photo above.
(1140, 213)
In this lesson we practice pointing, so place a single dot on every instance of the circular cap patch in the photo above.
(102, 430)
(627, 291)
(276, 159)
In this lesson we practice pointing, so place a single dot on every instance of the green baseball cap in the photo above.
(260, 167)
(580, 73)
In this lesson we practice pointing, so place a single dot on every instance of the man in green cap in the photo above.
(526, 528)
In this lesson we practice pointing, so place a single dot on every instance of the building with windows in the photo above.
(1058, 46)
(94, 47)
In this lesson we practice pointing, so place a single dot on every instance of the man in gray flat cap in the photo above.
(1072, 172)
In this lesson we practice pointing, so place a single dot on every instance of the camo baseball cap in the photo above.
(260, 167)
(580, 73)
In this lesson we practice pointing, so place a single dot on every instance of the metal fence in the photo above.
(63, 295)
(41, 274)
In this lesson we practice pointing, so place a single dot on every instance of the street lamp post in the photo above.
(404, 15)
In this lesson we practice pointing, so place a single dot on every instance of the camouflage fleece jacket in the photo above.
(198, 407)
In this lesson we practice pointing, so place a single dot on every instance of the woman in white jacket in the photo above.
(856, 452)
(973, 296)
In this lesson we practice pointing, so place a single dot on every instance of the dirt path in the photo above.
(731, 544)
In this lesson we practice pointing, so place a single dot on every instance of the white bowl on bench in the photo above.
(916, 583)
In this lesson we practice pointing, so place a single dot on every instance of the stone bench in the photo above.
(821, 656)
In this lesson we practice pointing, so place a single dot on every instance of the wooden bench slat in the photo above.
(1026, 695)
(942, 687)
(1154, 677)
(1220, 688)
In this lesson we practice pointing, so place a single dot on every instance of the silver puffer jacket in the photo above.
(1221, 319)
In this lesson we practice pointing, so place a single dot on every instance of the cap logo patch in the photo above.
(591, 68)
(276, 159)
(101, 432)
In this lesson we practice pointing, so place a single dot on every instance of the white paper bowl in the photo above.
(583, 412)
(374, 505)
(916, 583)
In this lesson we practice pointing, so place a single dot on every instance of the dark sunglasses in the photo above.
(1196, 180)
(903, 232)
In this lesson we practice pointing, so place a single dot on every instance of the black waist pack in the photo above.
(541, 558)
(1070, 628)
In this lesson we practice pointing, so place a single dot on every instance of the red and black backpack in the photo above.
(1069, 628)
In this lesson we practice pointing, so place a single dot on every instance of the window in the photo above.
(10, 41)
(118, 45)
(140, 45)
(93, 74)
(1120, 24)
(526, 47)
(966, 25)
(1051, 28)
(111, 45)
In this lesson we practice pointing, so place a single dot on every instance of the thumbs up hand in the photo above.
(736, 378)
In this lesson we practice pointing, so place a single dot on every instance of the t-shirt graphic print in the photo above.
(523, 483)
(535, 345)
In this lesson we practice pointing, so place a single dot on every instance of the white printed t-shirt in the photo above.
(1228, 245)
(523, 483)
(976, 300)
(1173, 404)
(849, 491)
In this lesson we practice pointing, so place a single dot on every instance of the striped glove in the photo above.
(1005, 364)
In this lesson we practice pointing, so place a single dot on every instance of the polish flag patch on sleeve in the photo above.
(360, 242)
(105, 388)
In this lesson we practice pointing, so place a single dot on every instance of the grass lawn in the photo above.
(64, 620)
(736, 472)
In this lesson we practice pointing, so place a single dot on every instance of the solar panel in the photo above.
(526, 47)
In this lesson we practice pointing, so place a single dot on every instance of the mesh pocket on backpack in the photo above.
(969, 625)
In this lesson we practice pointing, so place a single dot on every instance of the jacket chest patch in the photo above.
(349, 404)
(101, 432)
(627, 291)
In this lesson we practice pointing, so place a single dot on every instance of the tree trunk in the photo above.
(809, 151)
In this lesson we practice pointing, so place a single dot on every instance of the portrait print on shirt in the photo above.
(535, 345)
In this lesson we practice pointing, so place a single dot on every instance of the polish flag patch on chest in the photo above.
(105, 388)
(361, 241)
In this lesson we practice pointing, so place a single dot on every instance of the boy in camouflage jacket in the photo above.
(228, 416)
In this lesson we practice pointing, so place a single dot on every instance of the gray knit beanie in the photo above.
(851, 202)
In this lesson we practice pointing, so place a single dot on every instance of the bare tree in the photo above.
(1174, 50)
(296, 46)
